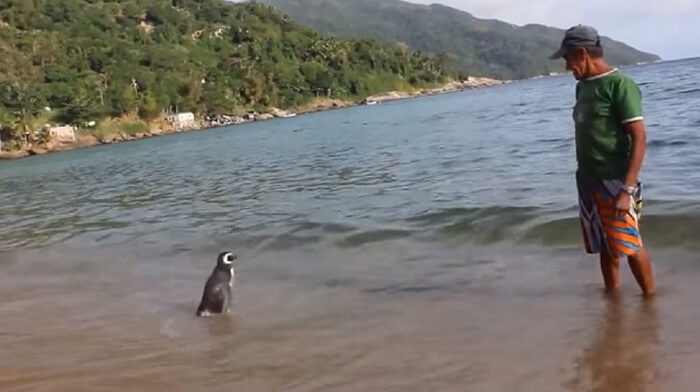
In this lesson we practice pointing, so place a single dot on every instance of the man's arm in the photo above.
(638, 134)
(623, 201)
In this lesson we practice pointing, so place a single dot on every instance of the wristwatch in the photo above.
(630, 190)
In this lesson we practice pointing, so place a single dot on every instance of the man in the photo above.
(610, 148)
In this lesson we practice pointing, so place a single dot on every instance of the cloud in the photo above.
(669, 28)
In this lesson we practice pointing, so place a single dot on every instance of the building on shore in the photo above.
(64, 134)
(182, 120)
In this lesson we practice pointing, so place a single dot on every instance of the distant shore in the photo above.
(160, 127)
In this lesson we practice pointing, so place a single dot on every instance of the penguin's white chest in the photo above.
(233, 275)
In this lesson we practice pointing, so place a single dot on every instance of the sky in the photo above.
(668, 28)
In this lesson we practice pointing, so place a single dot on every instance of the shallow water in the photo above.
(428, 244)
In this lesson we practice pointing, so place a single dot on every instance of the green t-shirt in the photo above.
(603, 105)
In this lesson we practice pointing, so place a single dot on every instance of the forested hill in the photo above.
(87, 59)
(476, 46)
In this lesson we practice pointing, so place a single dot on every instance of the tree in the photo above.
(23, 102)
(7, 125)
(254, 89)
(7, 119)
(125, 100)
(149, 107)
(194, 89)
(92, 58)
(79, 111)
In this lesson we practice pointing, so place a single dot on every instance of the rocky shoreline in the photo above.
(454, 86)
(160, 128)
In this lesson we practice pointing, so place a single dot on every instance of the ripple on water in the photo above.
(371, 236)
(372, 255)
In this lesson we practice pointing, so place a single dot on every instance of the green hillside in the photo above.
(91, 59)
(476, 46)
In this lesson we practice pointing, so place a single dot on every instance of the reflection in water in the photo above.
(222, 326)
(622, 353)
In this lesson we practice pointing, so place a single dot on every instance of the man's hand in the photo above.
(623, 203)
(637, 131)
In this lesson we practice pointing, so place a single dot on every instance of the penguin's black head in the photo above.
(225, 260)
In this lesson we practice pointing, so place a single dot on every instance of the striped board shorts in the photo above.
(601, 229)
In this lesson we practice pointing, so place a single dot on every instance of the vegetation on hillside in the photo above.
(75, 61)
(476, 46)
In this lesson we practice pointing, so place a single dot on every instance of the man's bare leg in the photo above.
(641, 268)
(611, 272)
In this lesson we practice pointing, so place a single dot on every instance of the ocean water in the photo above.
(425, 244)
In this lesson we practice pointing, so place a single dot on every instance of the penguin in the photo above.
(216, 298)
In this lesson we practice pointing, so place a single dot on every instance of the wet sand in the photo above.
(461, 319)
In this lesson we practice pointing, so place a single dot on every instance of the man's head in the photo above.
(582, 50)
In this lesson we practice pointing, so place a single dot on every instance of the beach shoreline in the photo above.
(202, 124)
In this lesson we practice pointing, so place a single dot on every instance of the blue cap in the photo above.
(578, 37)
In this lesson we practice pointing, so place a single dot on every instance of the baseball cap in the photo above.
(577, 37)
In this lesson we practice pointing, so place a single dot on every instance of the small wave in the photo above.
(289, 241)
(555, 140)
(668, 224)
(368, 237)
(394, 289)
(437, 117)
(441, 215)
(548, 110)
(470, 214)
(690, 91)
(339, 283)
(332, 228)
(450, 163)
(250, 241)
(479, 225)
(667, 143)
(660, 231)
(99, 225)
